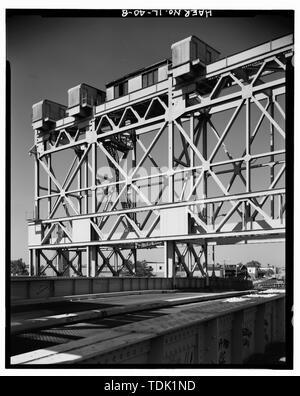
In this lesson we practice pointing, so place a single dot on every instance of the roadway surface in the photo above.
(21, 313)
(45, 325)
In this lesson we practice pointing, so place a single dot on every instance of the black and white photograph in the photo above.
(149, 190)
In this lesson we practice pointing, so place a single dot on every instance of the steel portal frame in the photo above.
(230, 192)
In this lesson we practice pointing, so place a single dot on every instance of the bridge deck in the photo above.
(150, 333)
(34, 317)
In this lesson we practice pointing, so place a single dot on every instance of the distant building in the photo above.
(259, 271)
(157, 269)
(236, 271)
(281, 272)
(216, 270)
(253, 271)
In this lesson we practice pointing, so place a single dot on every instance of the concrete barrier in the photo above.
(227, 331)
(30, 288)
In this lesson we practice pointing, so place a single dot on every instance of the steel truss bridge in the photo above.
(214, 139)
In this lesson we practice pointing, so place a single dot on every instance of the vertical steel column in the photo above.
(30, 269)
(79, 206)
(134, 253)
(36, 188)
(91, 255)
(247, 208)
(94, 177)
(171, 156)
(133, 196)
(204, 192)
(192, 154)
(116, 262)
(37, 259)
(169, 259)
(93, 250)
(85, 184)
(272, 165)
(79, 185)
(133, 166)
(248, 145)
(49, 185)
(213, 259)
(34, 262)
(205, 174)
(79, 265)
(169, 246)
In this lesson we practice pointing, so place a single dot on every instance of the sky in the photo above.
(50, 55)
